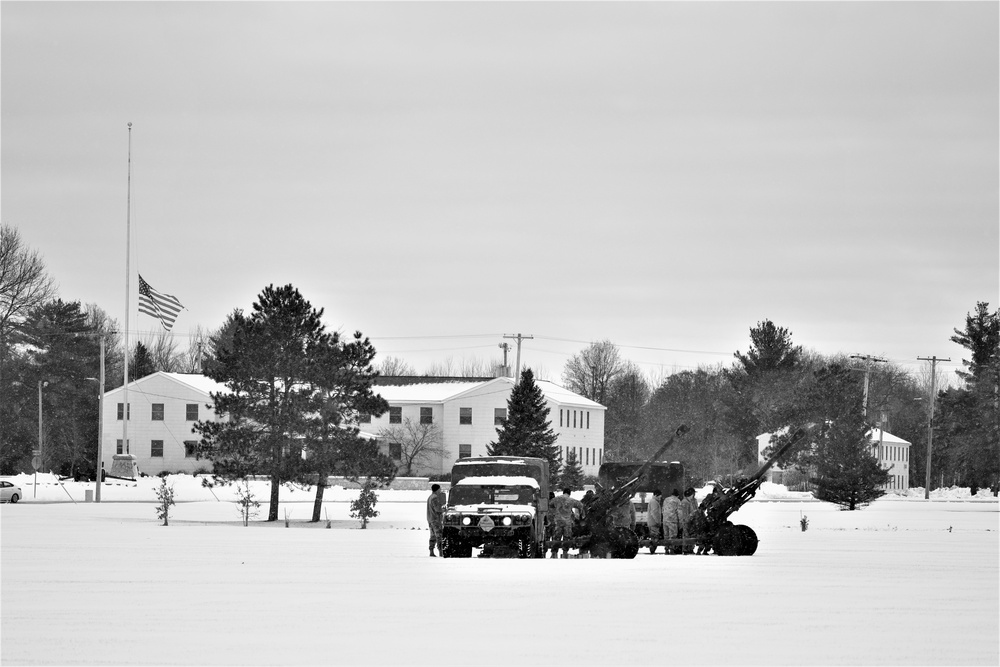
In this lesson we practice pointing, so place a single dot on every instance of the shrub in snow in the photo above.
(165, 494)
(804, 522)
(364, 507)
(246, 502)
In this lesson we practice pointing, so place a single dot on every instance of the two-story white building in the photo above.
(469, 412)
(892, 452)
(163, 407)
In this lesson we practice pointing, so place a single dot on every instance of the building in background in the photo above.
(891, 451)
(469, 411)
(163, 409)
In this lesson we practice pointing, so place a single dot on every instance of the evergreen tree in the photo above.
(140, 363)
(847, 471)
(527, 431)
(967, 426)
(572, 473)
(342, 377)
(63, 354)
(764, 383)
(269, 375)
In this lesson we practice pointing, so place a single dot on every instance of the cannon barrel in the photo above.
(720, 507)
(610, 499)
(798, 435)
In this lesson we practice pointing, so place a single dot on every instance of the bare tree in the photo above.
(591, 372)
(163, 351)
(418, 443)
(24, 284)
(99, 321)
(444, 368)
(198, 347)
(394, 367)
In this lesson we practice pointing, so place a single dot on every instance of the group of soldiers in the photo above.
(670, 517)
(675, 516)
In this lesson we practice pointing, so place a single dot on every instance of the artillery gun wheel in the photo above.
(727, 540)
(748, 540)
(624, 543)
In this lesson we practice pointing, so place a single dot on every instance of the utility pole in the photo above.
(930, 423)
(506, 348)
(518, 338)
(868, 359)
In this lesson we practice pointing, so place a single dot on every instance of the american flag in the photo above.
(162, 306)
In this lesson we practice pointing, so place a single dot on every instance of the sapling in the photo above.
(803, 521)
(246, 502)
(364, 507)
(165, 494)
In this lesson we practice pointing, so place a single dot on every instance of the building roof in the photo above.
(438, 392)
(195, 381)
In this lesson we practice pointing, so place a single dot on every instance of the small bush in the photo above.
(364, 507)
(165, 494)
(804, 522)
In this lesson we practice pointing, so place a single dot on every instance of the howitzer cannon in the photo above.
(716, 530)
(598, 534)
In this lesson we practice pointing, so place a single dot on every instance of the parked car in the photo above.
(9, 493)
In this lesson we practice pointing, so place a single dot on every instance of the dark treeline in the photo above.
(776, 384)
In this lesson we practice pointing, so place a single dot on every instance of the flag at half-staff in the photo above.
(161, 306)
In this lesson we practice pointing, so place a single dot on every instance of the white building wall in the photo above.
(173, 430)
(580, 429)
(483, 400)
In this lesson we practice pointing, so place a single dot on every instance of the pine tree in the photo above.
(527, 430)
(572, 473)
(847, 472)
(267, 370)
(342, 378)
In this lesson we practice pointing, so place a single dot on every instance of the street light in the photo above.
(36, 459)
(99, 472)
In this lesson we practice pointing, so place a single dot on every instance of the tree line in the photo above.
(48, 343)
(777, 385)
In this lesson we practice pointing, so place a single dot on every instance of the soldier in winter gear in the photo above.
(435, 516)
(562, 509)
(654, 518)
(671, 515)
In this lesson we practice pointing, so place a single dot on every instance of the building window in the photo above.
(396, 451)
(120, 412)
(465, 415)
(464, 451)
(157, 412)
(560, 417)
(499, 415)
(191, 413)
(574, 419)
(395, 415)
(190, 449)
(426, 415)
(588, 419)
(118, 449)
(156, 449)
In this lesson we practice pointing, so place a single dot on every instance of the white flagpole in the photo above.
(128, 274)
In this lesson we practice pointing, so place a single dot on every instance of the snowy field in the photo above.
(903, 582)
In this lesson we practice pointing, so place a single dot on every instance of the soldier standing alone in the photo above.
(654, 519)
(435, 516)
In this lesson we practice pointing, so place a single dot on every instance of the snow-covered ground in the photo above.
(905, 581)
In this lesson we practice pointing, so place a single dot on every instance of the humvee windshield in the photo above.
(491, 495)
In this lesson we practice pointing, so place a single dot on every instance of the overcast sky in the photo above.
(437, 175)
